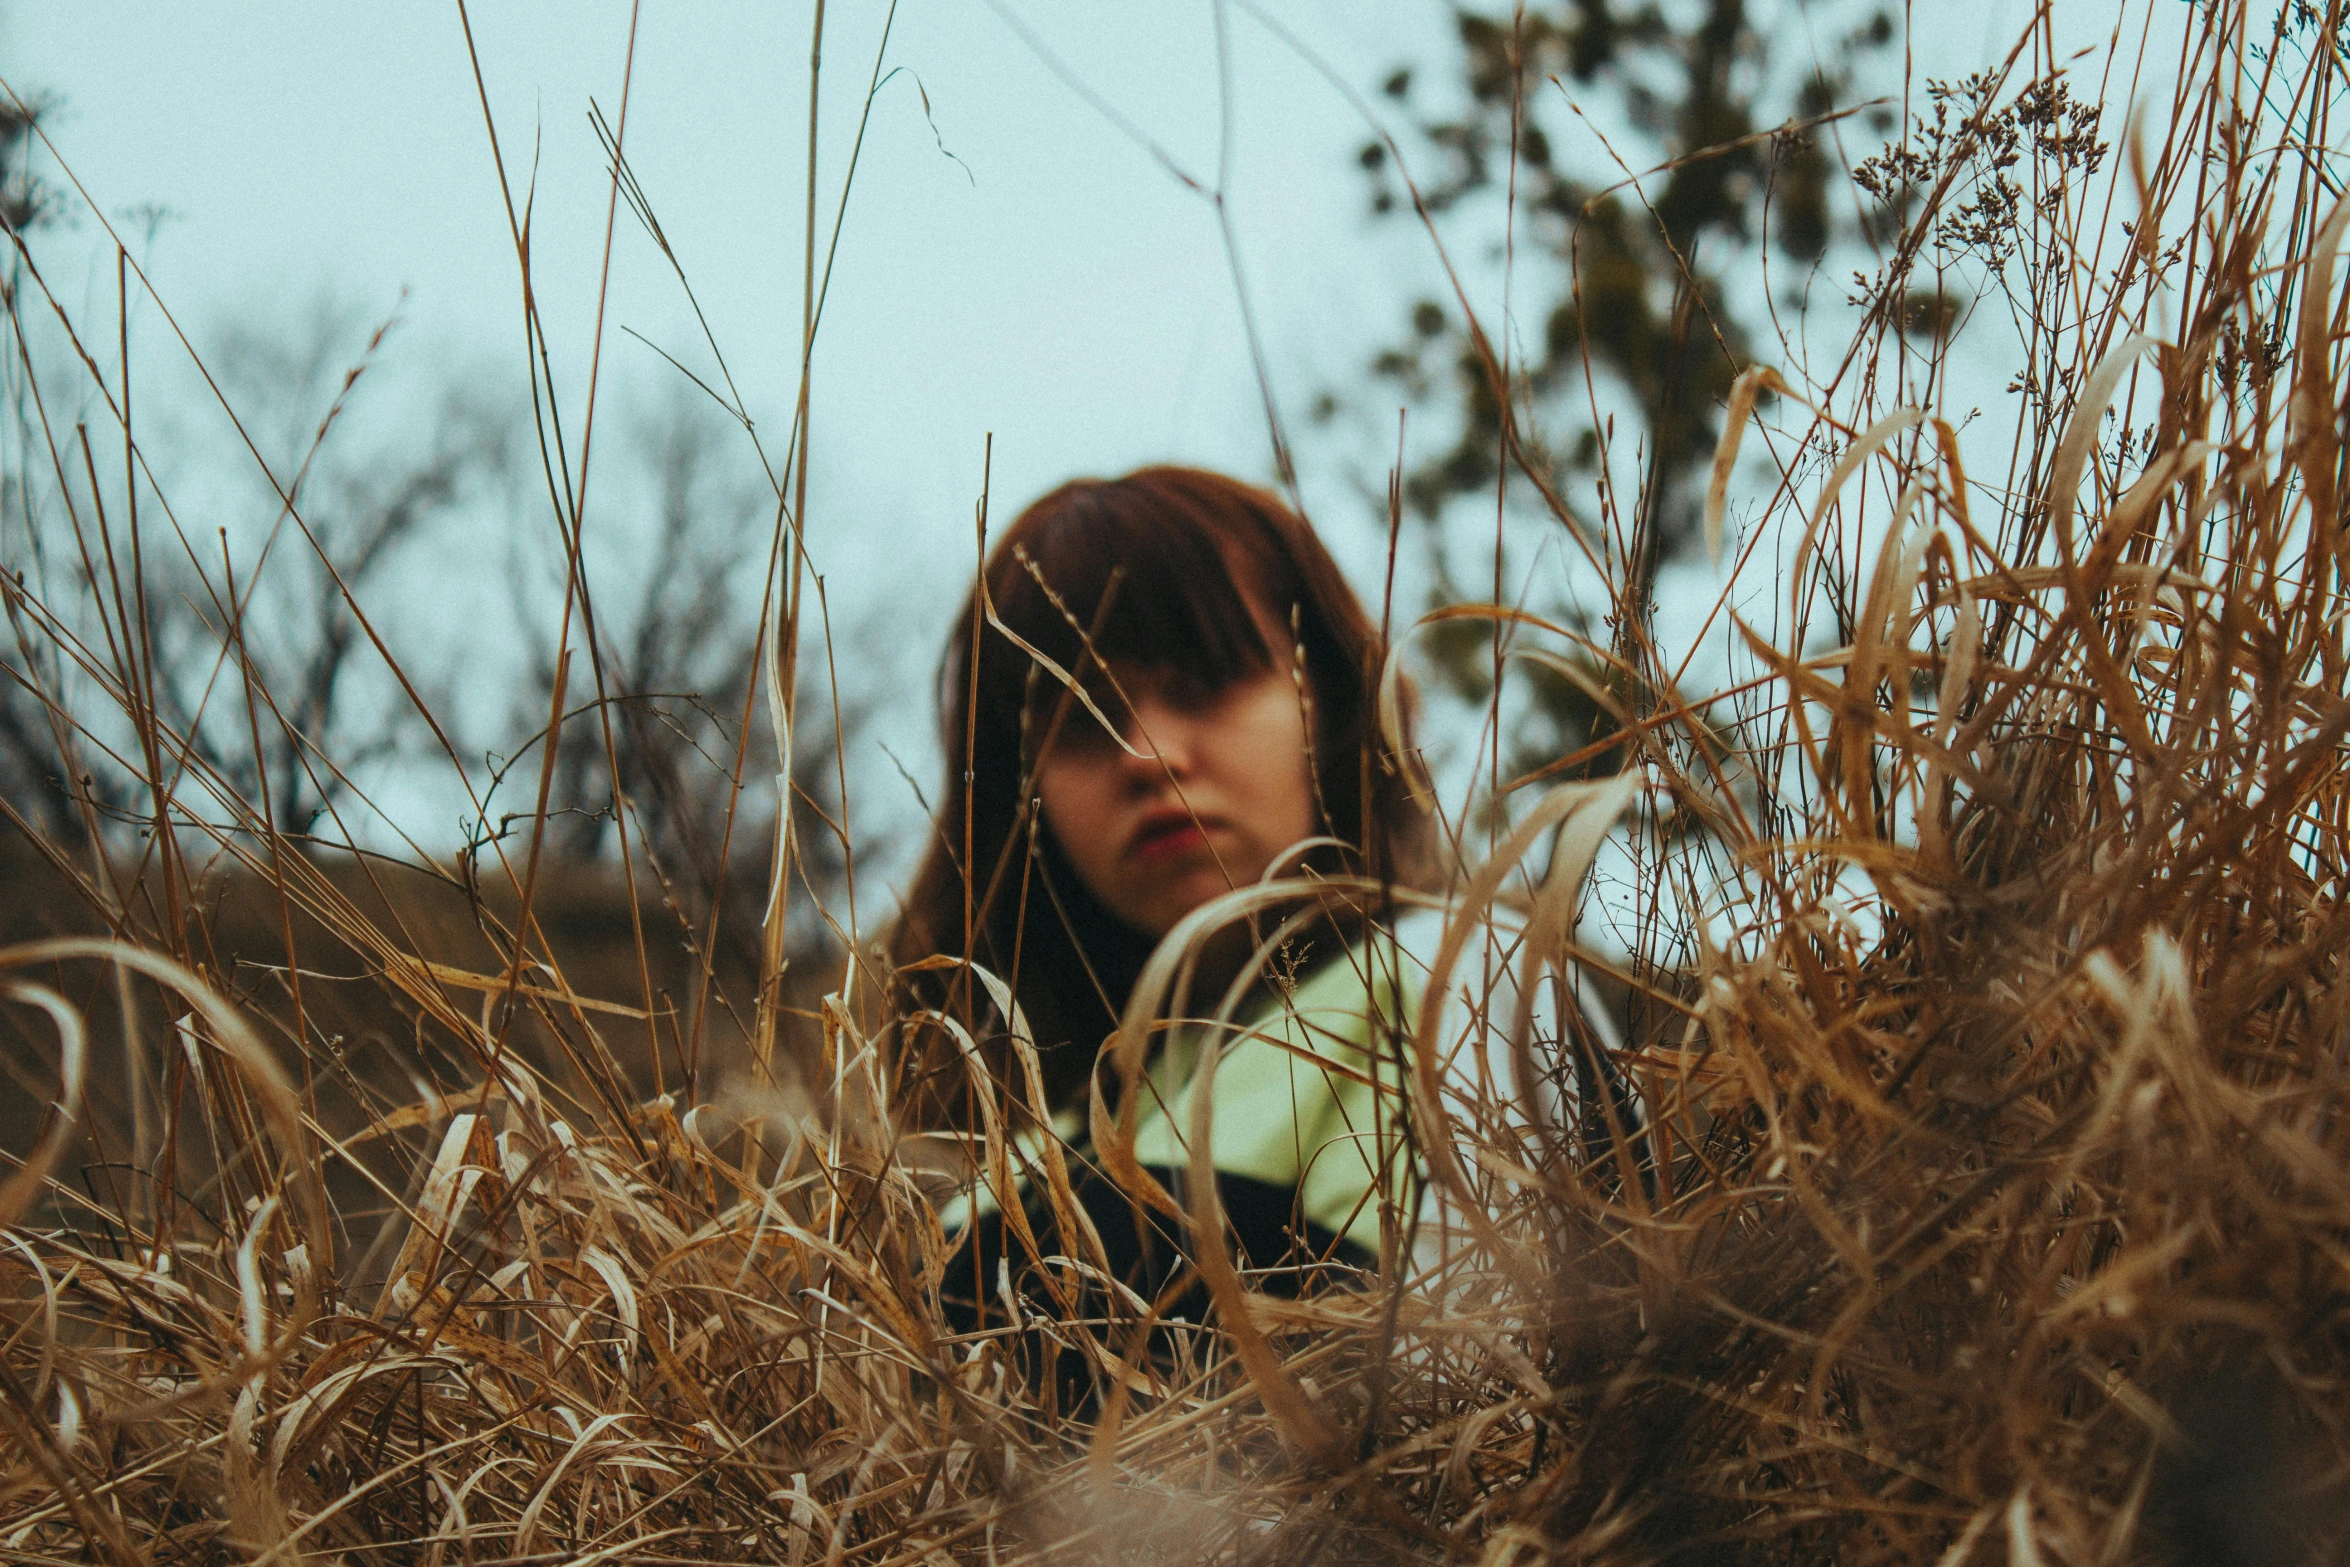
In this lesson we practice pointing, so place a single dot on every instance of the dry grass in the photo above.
(1994, 1201)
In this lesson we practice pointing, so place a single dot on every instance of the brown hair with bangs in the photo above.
(1159, 568)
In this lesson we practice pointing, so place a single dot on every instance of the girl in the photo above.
(1162, 691)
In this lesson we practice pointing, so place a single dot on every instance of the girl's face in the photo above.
(1222, 787)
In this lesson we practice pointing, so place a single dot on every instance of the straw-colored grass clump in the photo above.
(1992, 1199)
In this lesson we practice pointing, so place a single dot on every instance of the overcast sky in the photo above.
(1047, 281)
(1011, 263)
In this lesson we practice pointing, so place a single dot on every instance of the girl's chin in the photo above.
(1175, 889)
(1192, 887)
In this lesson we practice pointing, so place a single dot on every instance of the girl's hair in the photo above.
(1160, 567)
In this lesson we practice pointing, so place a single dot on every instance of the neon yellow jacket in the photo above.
(1307, 1091)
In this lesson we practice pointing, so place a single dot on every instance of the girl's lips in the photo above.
(1166, 839)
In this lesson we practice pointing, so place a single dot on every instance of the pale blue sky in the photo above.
(1053, 285)
(1048, 282)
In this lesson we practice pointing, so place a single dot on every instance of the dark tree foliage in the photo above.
(1637, 290)
(24, 197)
(32, 770)
(1627, 281)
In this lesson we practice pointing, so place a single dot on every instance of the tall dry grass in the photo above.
(1991, 1199)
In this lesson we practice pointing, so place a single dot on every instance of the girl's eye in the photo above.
(1082, 734)
(1180, 688)
(1093, 738)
